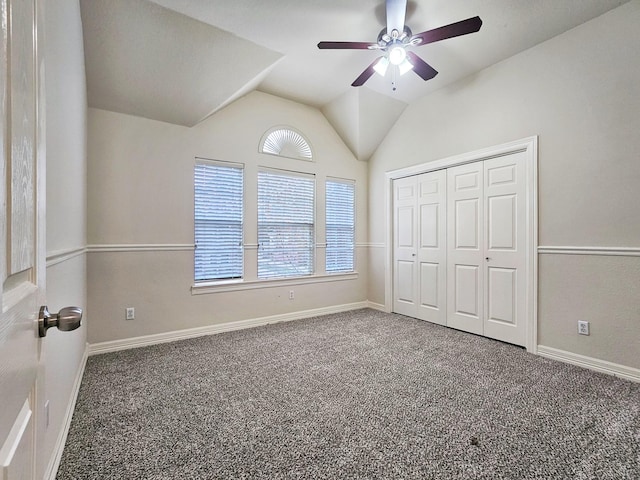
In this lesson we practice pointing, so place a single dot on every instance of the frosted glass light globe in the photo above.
(397, 55)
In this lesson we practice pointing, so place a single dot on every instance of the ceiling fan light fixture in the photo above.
(397, 54)
(394, 40)
(381, 66)
(405, 66)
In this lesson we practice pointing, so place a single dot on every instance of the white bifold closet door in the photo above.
(486, 256)
(420, 247)
(460, 247)
(505, 246)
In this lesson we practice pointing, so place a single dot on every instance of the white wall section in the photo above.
(63, 353)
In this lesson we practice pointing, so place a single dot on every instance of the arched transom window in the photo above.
(286, 142)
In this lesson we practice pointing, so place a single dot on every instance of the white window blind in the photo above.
(340, 226)
(218, 222)
(285, 224)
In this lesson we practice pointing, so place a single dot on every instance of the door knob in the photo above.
(66, 319)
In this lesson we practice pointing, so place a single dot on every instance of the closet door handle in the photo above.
(487, 259)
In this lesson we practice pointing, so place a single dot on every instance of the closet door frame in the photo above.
(530, 147)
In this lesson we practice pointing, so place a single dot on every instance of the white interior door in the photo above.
(405, 248)
(505, 249)
(21, 238)
(465, 248)
(432, 247)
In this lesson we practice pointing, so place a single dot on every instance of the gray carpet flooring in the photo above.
(357, 395)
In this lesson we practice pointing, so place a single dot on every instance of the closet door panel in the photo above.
(467, 293)
(505, 234)
(467, 214)
(501, 295)
(502, 224)
(405, 285)
(465, 249)
(432, 251)
(429, 291)
(405, 246)
(430, 225)
(406, 226)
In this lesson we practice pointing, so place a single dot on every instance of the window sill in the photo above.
(240, 285)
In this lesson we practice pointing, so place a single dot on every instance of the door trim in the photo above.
(527, 145)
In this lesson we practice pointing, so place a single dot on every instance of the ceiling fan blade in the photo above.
(463, 27)
(396, 11)
(422, 68)
(366, 75)
(347, 45)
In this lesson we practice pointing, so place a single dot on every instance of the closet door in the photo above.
(419, 265)
(460, 247)
(432, 250)
(465, 249)
(405, 248)
(505, 249)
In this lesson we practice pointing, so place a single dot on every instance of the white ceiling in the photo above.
(145, 60)
(183, 62)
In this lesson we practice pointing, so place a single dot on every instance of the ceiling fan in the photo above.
(396, 40)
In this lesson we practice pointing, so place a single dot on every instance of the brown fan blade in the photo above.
(422, 68)
(463, 27)
(396, 10)
(347, 45)
(366, 75)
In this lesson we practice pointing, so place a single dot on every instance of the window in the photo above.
(285, 224)
(286, 142)
(340, 225)
(218, 221)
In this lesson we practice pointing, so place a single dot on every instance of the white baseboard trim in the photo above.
(56, 456)
(135, 342)
(622, 371)
(376, 306)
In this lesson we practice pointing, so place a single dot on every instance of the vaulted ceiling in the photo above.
(179, 61)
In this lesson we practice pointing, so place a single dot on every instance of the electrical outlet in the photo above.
(130, 313)
(291, 295)
(583, 327)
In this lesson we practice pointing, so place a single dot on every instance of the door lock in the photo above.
(66, 319)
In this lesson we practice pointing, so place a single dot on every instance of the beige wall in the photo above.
(140, 184)
(66, 109)
(580, 92)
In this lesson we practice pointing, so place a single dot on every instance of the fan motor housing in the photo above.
(385, 39)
